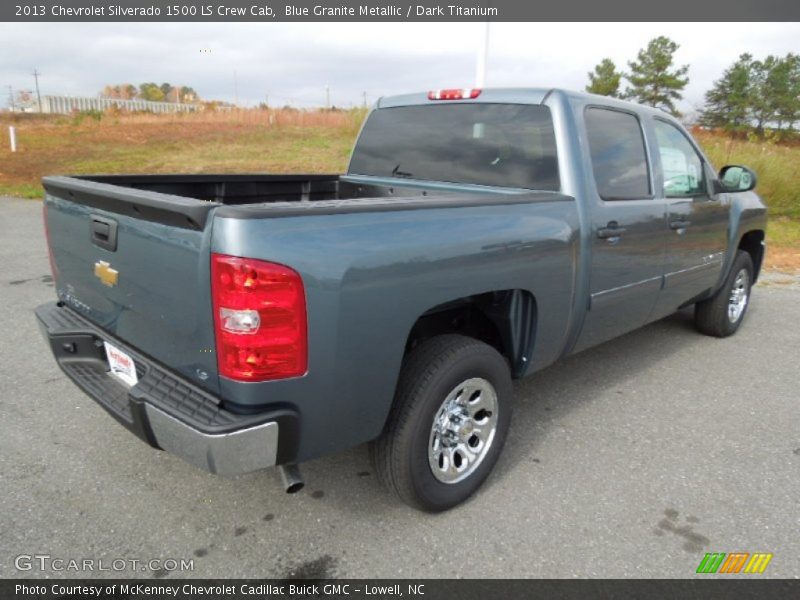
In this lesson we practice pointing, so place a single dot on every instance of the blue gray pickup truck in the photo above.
(478, 236)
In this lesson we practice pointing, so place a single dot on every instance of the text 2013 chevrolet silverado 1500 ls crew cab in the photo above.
(246, 321)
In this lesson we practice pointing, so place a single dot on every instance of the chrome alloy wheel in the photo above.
(738, 299)
(463, 430)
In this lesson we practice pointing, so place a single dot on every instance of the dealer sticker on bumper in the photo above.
(121, 365)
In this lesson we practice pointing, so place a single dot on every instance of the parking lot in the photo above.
(632, 459)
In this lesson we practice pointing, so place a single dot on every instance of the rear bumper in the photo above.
(163, 409)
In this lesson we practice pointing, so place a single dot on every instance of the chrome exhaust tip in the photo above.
(292, 479)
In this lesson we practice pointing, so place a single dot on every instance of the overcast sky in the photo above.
(293, 62)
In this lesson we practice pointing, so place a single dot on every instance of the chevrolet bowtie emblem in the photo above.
(104, 272)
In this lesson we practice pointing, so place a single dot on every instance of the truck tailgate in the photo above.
(137, 265)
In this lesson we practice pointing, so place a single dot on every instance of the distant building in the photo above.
(67, 104)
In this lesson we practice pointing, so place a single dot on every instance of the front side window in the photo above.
(682, 166)
(504, 145)
(619, 160)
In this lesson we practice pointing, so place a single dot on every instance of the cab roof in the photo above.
(521, 95)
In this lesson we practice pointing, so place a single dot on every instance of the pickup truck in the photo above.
(478, 236)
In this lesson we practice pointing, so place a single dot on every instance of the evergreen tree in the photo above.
(653, 81)
(605, 79)
(764, 83)
(793, 97)
(728, 104)
(782, 89)
(756, 95)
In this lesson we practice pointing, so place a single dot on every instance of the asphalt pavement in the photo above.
(632, 459)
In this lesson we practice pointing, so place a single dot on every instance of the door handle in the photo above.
(675, 225)
(610, 231)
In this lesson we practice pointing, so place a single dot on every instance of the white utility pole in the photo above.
(12, 138)
(327, 96)
(38, 95)
(483, 51)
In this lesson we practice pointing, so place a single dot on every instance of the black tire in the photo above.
(429, 374)
(712, 316)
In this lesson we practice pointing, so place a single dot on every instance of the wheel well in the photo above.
(505, 319)
(752, 243)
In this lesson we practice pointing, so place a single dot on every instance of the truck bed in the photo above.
(185, 201)
(230, 189)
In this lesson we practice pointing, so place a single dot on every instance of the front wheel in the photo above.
(722, 314)
(449, 421)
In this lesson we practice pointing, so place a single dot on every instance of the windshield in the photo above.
(505, 145)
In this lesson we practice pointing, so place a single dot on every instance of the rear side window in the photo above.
(504, 145)
(619, 162)
(682, 166)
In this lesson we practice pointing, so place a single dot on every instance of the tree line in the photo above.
(754, 96)
(760, 97)
(166, 92)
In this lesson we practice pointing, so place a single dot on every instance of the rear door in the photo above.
(627, 223)
(697, 218)
(137, 265)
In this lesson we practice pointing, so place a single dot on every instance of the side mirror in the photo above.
(735, 178)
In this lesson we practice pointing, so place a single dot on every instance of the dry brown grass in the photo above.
(785, 259)
(279, 117)
(223, 141)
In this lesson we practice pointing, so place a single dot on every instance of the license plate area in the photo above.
(121, 365)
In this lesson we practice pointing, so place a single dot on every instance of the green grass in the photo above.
(777, 167)
(783, 233)
(22, 190)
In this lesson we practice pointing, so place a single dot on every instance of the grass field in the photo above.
(296, 141)
(233, 142)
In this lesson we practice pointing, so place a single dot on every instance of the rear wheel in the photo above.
(449, 421)
(722, 314)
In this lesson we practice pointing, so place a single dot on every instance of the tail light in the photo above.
(455, 94)
(259, 319)
(47, 238)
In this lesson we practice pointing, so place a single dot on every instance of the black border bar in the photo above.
(743, 587)
(397, 10)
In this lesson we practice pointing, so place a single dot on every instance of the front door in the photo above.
(628, 228)
(697, 220)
